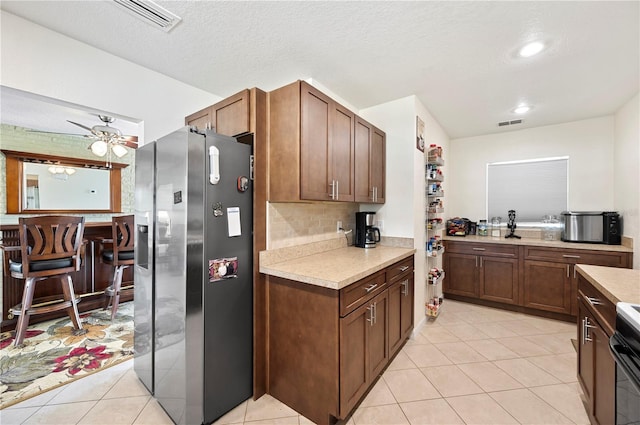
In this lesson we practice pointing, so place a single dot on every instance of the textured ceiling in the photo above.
(457, 57)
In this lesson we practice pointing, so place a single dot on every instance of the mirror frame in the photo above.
(14, 174)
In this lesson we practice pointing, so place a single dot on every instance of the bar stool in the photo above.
(49, 247)
(120, 256)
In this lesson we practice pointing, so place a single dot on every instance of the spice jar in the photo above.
(482, 229)
(495, 226)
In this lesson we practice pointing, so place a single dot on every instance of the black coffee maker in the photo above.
(366, 234)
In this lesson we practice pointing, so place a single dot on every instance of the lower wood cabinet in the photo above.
(489, 274)
(596, 366)
(538, 279)
(364, 349)
(328, 347)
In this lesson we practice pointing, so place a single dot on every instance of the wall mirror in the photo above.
(39, 184)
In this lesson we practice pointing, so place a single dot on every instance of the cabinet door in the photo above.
(315, 178)
(354, 363)
(378, 165)
(378, 341)
(395, 316)
(363, 189)
(370, 153)
(462, 274)
(499, 279)
(231, 115)
(406, 310)
(341, 152)
(604, 402)
(547, 286)
(585, 354)
(201, 119)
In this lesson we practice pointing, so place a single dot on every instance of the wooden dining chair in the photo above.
(50, 247)
(120, 256)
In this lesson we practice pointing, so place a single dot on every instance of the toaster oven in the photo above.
(592, 227)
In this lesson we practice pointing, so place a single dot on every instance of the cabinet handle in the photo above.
(570, 256)
(333, 189)
(594, 301)
(337, 190)
(403, 269)
(585, 330)
(478, 249)
(568, 270)
(405, 288)
(375, 312)
(370, 319)
(574, 272)
(371, 288)
(373, 194)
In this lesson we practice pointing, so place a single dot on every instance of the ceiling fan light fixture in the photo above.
(99, 148)
(119, 150)
(70, 171)
(531, 49)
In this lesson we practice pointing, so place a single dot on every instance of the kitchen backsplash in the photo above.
(291, 224)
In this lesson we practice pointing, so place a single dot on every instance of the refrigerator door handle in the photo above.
(214, 165)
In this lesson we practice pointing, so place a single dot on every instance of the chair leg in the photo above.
(23, 320)
(117, 283)
(69, 295)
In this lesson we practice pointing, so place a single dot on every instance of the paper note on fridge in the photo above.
(233, 221)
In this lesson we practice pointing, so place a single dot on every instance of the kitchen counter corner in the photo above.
(617, 284)
(337, 268)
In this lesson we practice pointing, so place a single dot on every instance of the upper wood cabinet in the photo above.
(229, 116)
(370, 163)
(312, 148)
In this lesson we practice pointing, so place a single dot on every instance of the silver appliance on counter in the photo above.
(194, 274)
(592, 227)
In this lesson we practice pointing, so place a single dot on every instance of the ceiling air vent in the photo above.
(151, 13)
(504, 123)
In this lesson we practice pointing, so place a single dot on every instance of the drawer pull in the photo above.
(478, 249)
(371, 288)
(594, 301)
(405, 288)
(570, 256)
(404, 268)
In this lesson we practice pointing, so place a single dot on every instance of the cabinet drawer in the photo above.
(501, 250)
(356, 294)
(576, 256)
(605, 310)
(399, 268)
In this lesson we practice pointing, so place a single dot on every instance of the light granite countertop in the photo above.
(337, 268)
(617, 284)
(538, 242)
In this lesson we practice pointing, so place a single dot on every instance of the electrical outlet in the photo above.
(338, 226)
(380, 225)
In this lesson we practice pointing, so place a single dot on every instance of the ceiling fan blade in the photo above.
(55, 132)
(89, 129)
(129, 141)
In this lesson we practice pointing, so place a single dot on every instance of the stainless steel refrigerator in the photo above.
(193, 274)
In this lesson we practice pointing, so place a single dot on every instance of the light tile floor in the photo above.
(472, 365)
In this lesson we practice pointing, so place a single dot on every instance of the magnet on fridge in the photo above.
(223, 268)
(243, 184)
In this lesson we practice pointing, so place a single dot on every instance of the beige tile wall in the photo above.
(291, 224)
(19, 139)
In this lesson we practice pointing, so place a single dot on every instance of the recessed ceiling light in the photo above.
(522, 109)
(531, 49)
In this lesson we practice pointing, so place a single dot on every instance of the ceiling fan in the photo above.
(107, 139)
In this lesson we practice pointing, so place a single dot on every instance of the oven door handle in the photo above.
(628, 361)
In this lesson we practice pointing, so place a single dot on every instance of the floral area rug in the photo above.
(53, 354)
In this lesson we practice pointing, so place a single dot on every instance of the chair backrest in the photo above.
(123, 238)
(50, 245)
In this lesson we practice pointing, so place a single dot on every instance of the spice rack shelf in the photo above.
(434, 227)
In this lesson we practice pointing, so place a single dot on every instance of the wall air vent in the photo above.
(150, 12)
(505, 123)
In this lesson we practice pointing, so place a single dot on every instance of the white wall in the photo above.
(626, 176)
(44, 62)
(404, 210)
(588, 144)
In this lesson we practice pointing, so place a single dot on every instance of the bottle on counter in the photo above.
(482, 228)
(495, 227)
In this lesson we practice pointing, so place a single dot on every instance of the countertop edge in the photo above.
(539, 243)
(330, 284)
